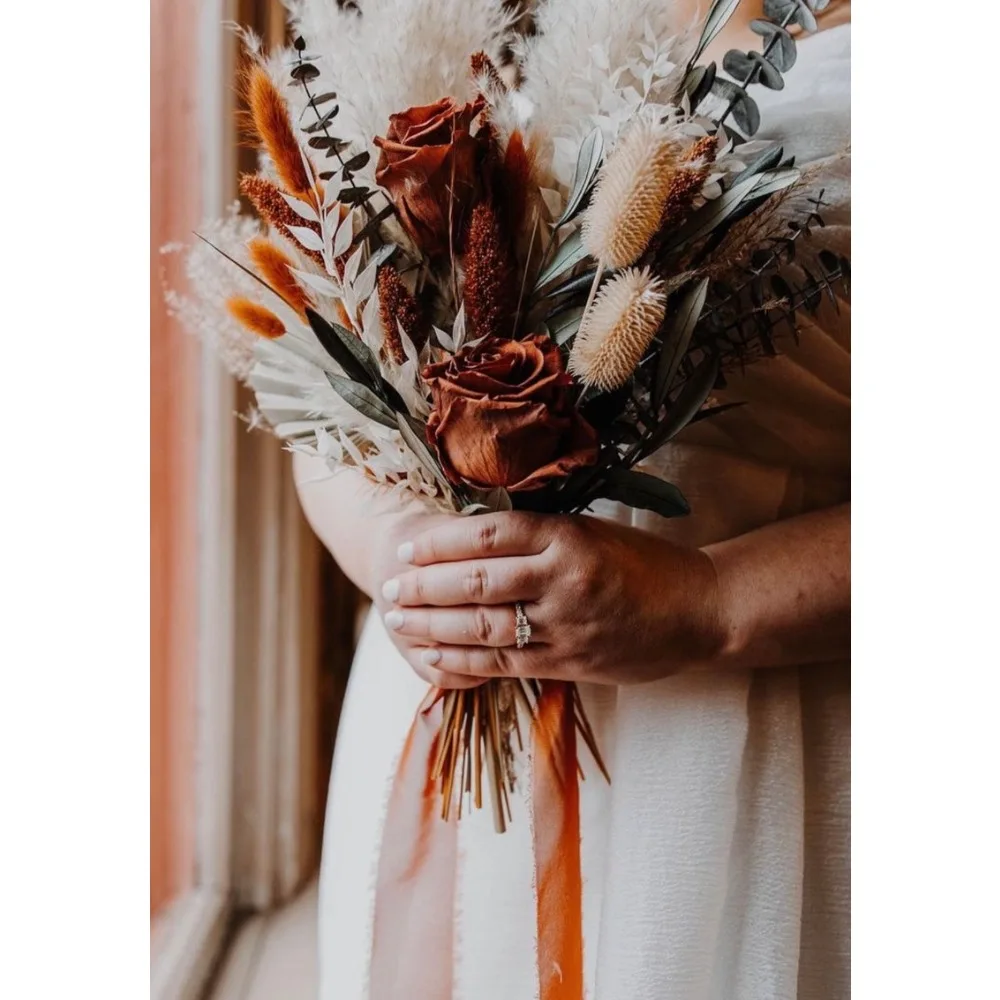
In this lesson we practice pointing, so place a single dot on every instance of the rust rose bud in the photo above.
(503, 415)
(429, 167)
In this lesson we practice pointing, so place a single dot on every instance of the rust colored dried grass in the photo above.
(397, 305)
(256, 318)
(275, 267)
(489, 292)
(265, 196)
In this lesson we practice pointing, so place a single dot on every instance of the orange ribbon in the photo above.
(413, 944)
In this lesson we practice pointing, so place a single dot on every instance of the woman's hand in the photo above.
(606, 603)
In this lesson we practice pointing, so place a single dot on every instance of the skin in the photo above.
(607, 604)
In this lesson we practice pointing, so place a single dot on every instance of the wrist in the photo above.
(727, 640)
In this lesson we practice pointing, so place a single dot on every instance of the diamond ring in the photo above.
(522, 628)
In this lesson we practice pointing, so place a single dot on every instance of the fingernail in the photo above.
(390, 590)
(394, 620)
(430, 657)
(405, 552)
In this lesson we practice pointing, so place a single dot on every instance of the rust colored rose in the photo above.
(503, 415)
(429, 166)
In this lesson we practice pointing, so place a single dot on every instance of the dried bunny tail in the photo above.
(486, 76)
(256, 318)
(631, 193)
(488, 292)
(275, 268)
(617, 329)
(265, 196)
(397, 306)
(272, 126)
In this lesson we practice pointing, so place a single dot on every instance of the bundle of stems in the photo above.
(478, 729)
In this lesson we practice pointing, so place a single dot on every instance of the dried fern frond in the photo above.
(256, 318)
(488, 293)
(265, 196)
(397, 306)
(275, 267)
(617, 329)
(272, 127)
(632, 190)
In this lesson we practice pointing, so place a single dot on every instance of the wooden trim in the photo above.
(187, 938)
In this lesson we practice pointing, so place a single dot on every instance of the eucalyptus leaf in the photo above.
(715, 20)
(741, 104)
(347, 350)
(638, 489)
(778, 44)
(677, 338)
(363, 400)
(587, 163)
(569, 254)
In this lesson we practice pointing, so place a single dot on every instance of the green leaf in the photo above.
(563, 326)
(719, 13)
(683, 409)
(677, 338)
(769, 158)
(583, 280)
(363, 400)
(782, 52)
(587, 162)
(347, 350)
(637, 489)
(568, 255)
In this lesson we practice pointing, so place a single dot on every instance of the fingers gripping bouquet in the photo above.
(506, 285)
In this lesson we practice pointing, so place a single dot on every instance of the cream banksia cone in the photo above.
(617, 329)
(631, 193)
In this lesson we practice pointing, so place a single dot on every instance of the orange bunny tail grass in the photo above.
(398, 306)
(489, 294)
(272, 128)
(256, 318)
(275, 267)
(265, 196)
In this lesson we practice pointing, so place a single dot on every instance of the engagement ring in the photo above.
(522, 628)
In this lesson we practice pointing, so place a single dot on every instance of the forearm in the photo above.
(785, 590)
(348, 513)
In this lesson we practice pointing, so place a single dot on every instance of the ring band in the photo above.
(522, 627)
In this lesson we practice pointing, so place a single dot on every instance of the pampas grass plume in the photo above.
(631, 193)
(256, 318)
(617, 329)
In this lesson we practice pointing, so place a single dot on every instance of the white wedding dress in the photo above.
(716, 864)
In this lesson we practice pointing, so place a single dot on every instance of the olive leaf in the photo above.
(347, 350)
(587, 163)
(564, 325)
(638, 489)
(689, 401)
(363, 400)
(677, 339)
(570, 253)
(715, 20)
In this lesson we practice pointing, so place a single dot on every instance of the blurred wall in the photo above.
(175, 184)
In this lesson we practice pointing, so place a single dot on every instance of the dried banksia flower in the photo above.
(488, 294)
(275, 267)
(617, 329)
(272, 126)
(688, 180)
(256, 318)
(397, 305)
(631, 192)
(265, 196)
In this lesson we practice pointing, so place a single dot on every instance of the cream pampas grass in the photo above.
(631, 193)
(617, 329)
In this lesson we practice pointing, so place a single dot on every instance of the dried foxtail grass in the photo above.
(256, 318)
(398, 308)
(630, 196)
(617, 329)
(265, 196)
(488, 293)
(272, 127)
(275, 267)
